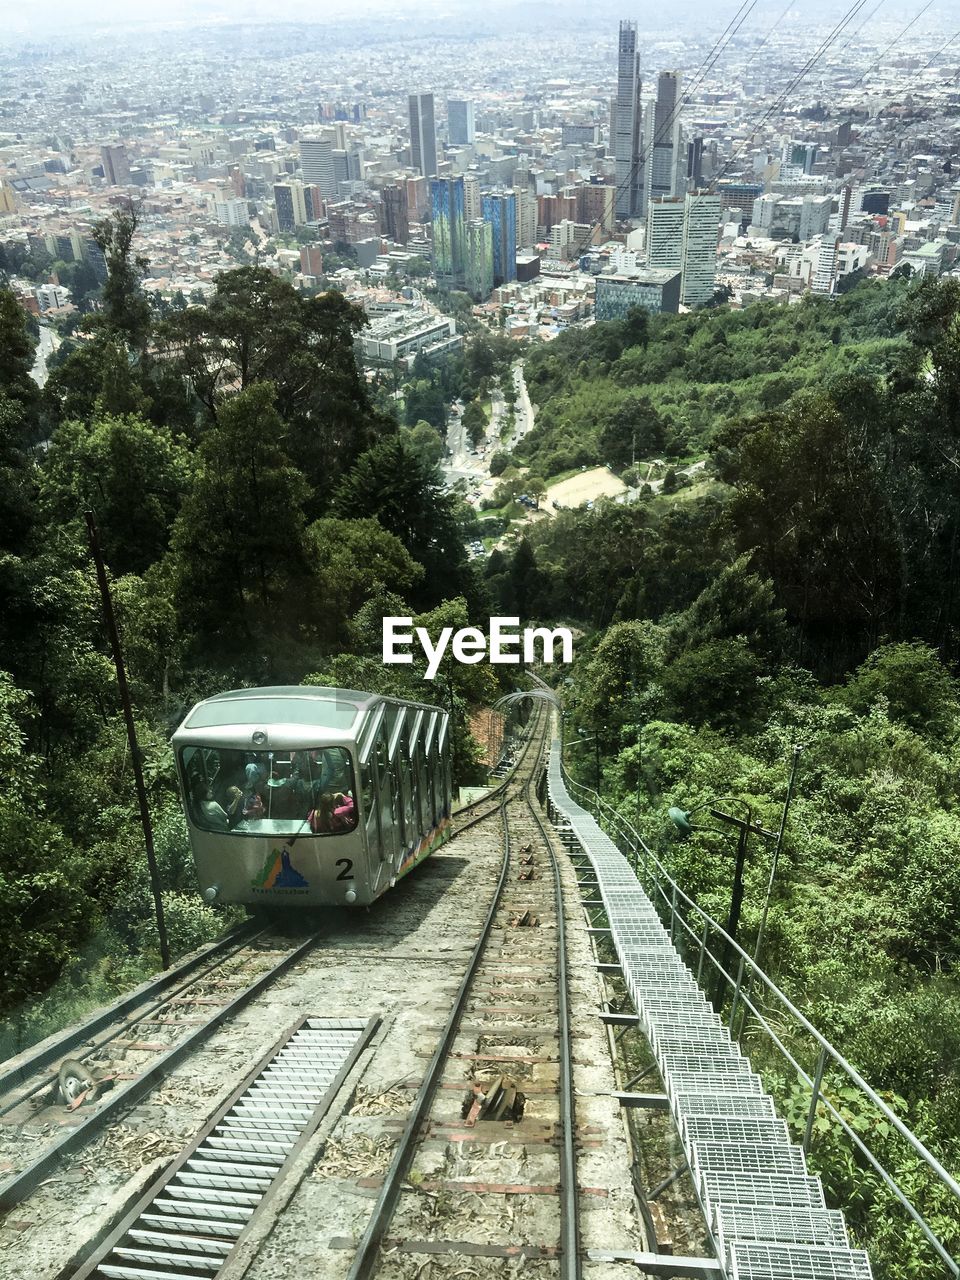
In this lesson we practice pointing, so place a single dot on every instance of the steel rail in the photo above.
(367, 1251)
(101, 1248)
(496, 792)
(570, 1262)
(18, 1187)
(20, 1068)
(365, 1259)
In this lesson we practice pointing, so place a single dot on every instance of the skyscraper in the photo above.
(471, 197)
(663, 138)
(449, 231)
(526, 218)
(626, 125)
(423, 134)
(665, 233)
(460, 125)
(317, 163)
(291, 206)
(116, 165)
(701, 233)
(500, 212)
(479, 271)
(396, 224)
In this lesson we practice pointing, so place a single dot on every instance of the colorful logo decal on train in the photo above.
(279, 873)
(431, 841)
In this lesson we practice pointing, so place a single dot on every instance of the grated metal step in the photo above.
(766, 1213)
(744, 1223)
(754, 1261)
(187, 1226)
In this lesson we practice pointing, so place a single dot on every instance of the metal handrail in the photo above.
(666, 888)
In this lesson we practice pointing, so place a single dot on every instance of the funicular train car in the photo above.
(306, 796)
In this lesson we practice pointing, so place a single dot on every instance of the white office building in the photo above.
(319, 165)
(701, 234)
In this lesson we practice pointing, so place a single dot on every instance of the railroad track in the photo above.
(132, 1046)
(222, 1155)
(493, 1122)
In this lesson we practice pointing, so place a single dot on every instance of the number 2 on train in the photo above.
(347, 872)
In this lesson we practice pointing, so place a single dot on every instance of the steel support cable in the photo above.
(874, 66)
(706, 66)
(870, 16)
(808, 66)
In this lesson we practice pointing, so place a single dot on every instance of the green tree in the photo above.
(396, 487)
(133, 475)
(257, 328)
(809, 499)
(737, 602)
(426, 443)
(475, 422)
(633, 430)
(237, 544)
(918, 689)
(126, 312)
(16, 352)
(353, 561)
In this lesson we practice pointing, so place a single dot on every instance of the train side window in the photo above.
(383, 768)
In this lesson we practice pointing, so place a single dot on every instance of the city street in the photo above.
(49, 341)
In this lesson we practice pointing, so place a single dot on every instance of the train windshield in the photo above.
(285, 793)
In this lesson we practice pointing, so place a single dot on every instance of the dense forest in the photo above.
(261, 507)
(802, 595)
(258, 513)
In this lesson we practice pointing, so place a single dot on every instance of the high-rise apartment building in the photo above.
(626, 120)
(695, 162)
(526, 218)
(665, 234)
(479, 268)
(460, 121)
(500, 212)
(472, 207)
(8, 198)
(449, 231)
(683, 234)
(231, 212)
(396, 224)
(317, 164)
(595, 203)
(311, 259)
(423, 134)
(662, 141)
(701, 233)
(291, 205)
(116, 165)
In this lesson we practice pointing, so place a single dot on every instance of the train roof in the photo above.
(291, 709)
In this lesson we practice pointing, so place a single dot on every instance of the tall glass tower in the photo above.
(423, 134)
(449, 231)
(627, 133)
(500, 210)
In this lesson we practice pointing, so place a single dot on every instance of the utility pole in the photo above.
(111, 625)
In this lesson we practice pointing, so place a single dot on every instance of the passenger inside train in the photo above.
(267, 792)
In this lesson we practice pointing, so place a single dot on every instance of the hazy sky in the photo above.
(42, 18)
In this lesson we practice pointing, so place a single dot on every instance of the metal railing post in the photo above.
(703, 949)
(736, 992)
(673, 910)
(814, 1100)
